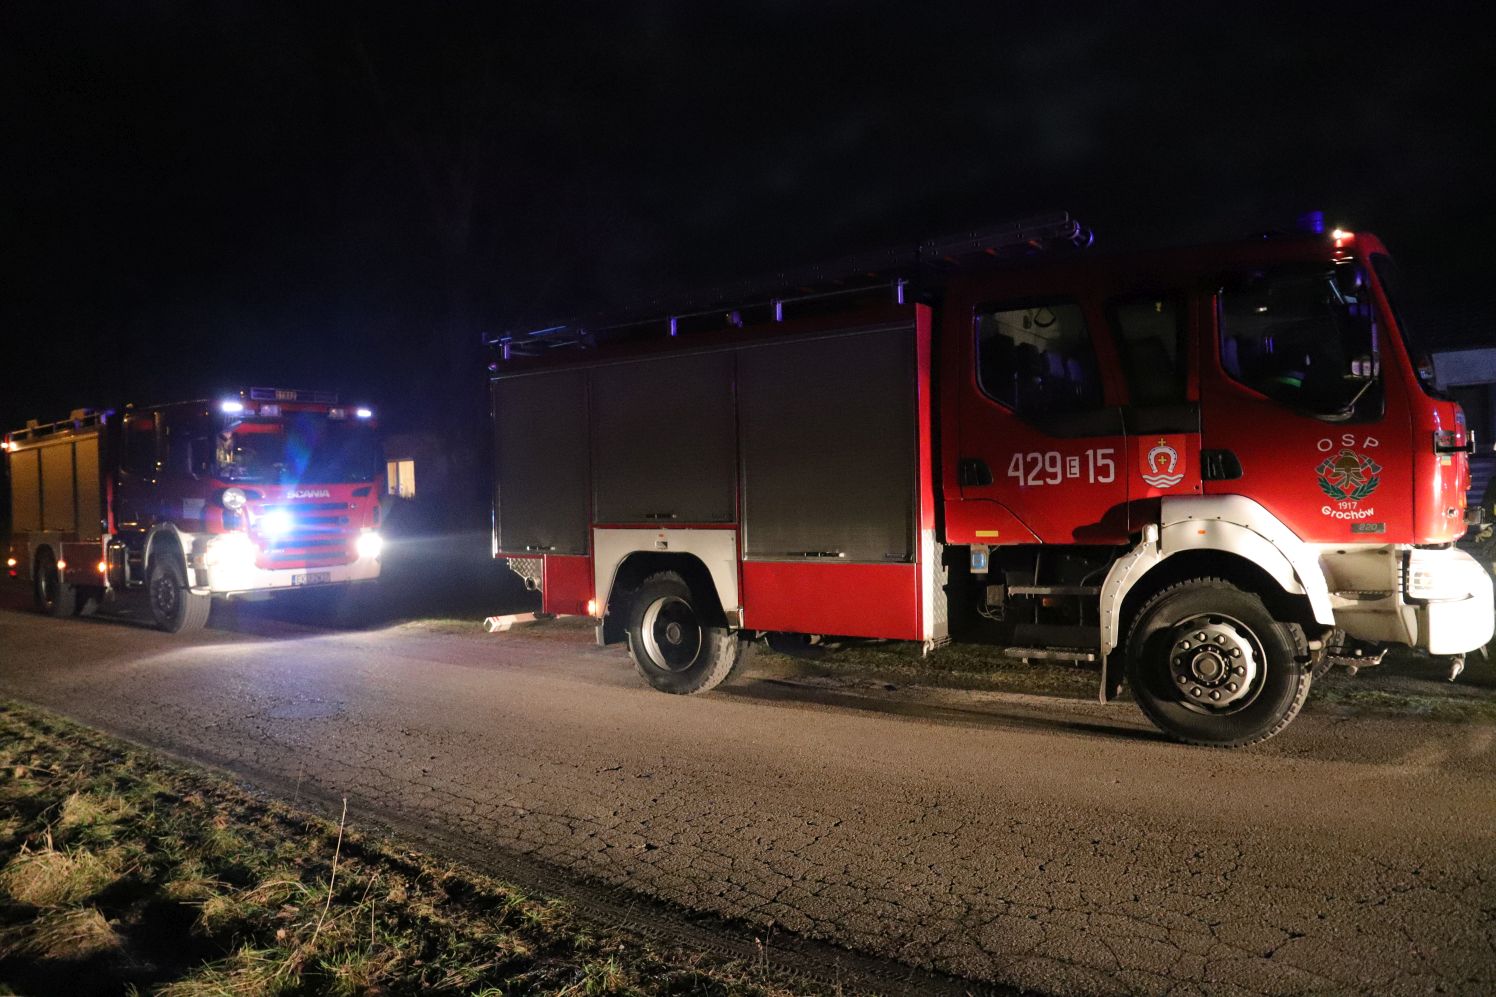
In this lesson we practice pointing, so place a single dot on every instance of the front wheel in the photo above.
(672, 648)
(174, 607)
(53, 596)
(1209, 665)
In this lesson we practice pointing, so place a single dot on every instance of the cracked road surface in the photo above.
(1036, 843)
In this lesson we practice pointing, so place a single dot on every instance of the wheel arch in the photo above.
(1284, 597)
(162, 541)
(43, 548)
(640, 565)
(1229, 536)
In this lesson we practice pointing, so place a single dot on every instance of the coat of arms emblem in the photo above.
(1348, 476)
(1161, 466)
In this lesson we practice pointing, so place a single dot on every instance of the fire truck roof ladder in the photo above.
(891, 269)
(81, 419)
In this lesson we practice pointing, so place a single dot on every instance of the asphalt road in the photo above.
(1043, 844)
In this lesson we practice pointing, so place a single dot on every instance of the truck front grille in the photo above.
(321, 535)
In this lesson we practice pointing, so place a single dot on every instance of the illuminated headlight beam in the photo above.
(276, 523)
(369, 544)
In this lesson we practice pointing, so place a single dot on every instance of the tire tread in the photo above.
(727, 651)
(1293, 630)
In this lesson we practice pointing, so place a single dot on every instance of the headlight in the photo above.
(369, 544)
(229, 550)
(275, 523)
(233, 499)
(1439, 575)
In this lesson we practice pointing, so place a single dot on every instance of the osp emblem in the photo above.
(1348, 476)
(1161, 466)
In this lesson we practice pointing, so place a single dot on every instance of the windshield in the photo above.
(1306, 337)
(305, 448)
(1420, 351)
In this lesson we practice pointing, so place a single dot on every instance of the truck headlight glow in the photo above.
(229, 550)
(369, 544)
(234, 499)
(276, 523)
(231, 407)
(1434, 576)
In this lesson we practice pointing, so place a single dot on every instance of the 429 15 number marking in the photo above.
(1050, 467)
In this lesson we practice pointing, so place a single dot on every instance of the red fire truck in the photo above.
(1214, 472)
(266, 490)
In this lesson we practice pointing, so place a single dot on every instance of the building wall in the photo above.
(1470, 376)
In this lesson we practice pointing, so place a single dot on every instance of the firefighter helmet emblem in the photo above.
(1162, 466)
(1348, 476)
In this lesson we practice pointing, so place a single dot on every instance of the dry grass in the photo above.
(47, 877)
(65, 935)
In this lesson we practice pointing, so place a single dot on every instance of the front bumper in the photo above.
(233, 575)
(1370, 600)
(1455, 626)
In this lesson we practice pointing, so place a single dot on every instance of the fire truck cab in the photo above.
(262, 491)
(1212, 472)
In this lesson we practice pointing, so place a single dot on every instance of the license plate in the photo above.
(312, 578)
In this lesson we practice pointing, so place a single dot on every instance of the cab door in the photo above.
(1295, 404)
(1154, 332)
(136, 503)
(1040, 434)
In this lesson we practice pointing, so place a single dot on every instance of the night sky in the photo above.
(199, 195)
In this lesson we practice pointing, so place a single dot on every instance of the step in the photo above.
(1054, 589)
(1053, 653)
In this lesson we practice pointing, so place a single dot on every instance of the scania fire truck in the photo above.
(1212, 472)
(262, 491)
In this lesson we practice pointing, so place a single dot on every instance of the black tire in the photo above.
(672, 649)
(1242, 684)
(53, 596)
(173, 606)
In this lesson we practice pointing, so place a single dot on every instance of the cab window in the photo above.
(1150, 336)
(1037, 358)
(1306, 337)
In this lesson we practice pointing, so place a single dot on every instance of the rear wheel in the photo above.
(53, 595)
(174, 607)
(672, 648)
(1210, 665)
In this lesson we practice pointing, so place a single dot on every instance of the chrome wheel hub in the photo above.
(671, 634)
(1214, 663)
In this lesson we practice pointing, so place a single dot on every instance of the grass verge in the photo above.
(123, 873)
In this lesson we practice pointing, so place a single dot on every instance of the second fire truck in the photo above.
(263, 491)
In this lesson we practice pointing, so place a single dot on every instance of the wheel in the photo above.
(1209, 665)
(53, 596)
(173, 606)
(671, 647)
